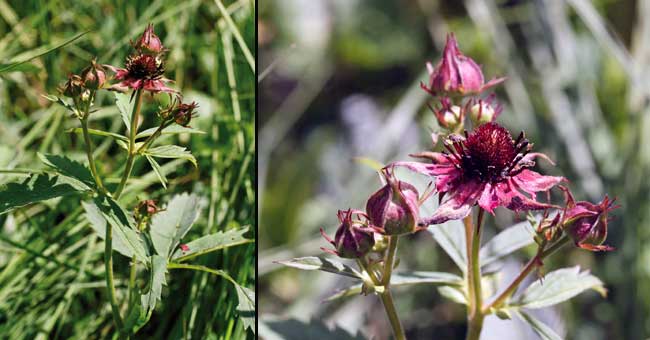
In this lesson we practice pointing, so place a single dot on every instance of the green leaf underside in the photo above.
(171, 151)
(170, 225)
(35, 53)
(100, 133)
(170, 130)
(323, 264)
(290, 329)
(246, 306)
(451, 237)
(122, 224)
(210, 243)
(157, 280)
(67, 167)
(545, 332)
(98, 224)
(455, 294)
(506, 242)
(125, 106)
(406, 279)
(37, 188)
(558, 286)
(156, 169)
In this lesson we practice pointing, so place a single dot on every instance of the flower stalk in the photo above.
(132, 151)
(475, 314)
(385, 294)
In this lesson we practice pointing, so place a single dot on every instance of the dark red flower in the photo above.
(354, 238)
(487, 168)
(456, 73)
(149, 42)
(394, 208)
(143, 71)
(586, 223)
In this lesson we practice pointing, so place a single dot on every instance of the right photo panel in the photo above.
(453, 169)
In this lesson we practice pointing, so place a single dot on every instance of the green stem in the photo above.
(390, 260)
(110, 284)
(476, 316)
(391, 312)
(385, 296)
(89, 154)
(534, 262)
(467, 221)
(132, 152)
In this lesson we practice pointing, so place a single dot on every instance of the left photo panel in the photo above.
(127, 170)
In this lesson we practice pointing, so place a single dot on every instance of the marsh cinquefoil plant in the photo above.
(479, 167)
(149, 235)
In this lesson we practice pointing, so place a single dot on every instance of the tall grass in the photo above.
(51, 265)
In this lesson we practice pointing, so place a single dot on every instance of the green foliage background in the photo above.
(343, 82)
(51, 262)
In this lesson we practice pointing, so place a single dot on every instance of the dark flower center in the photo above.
(144, 66)
(489, 154)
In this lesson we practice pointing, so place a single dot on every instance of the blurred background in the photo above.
(43, 293)
(340, 80)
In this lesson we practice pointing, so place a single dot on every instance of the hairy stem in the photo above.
(475, 315)
(385, 296)
(89, 154)
(132, 152)
(390, 259)
(391, 312)
(110, 284)
(532, 264)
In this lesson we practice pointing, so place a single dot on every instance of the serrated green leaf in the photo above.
(210, 243)
(246, 307)
(282, 329)
(69, 168)
(61, 102)
(170, 130)
(37, 188)
(122, 224)
(100, 133)
(137, 317)
(125, 106)
(156, 281)
(170, 225)
(37, 52)
(156, 169)
(544, 331)
(323, 264)
(451, 237)
(171, 151)
(506, 242)
(558, 286)
(406, 279)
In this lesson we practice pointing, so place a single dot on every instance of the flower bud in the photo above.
(145, 209)
(149, 42)
(456, 74)
(93, 76)
(184, 113)
(484, 110)
(586, 223)
(395, 207)
(449, 116)
(354, 238)
(74, 87)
